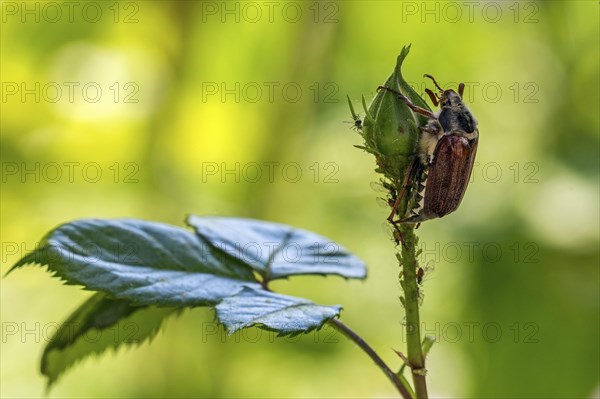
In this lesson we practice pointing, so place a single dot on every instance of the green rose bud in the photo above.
(390, 132)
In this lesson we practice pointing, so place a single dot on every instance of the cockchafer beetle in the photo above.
(438, 177)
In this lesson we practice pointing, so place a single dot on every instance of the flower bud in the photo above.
(390, 130)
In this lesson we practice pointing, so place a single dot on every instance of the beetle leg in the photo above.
(401, 194)
(390, 218)
(432, 128)
(412, 106)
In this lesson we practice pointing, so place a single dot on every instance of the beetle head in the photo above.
(450, 98)
(446, 98)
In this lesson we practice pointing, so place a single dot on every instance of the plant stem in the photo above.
(408, 280)
(400, 385)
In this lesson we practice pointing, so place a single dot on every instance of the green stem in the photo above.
(400, 384)
(408, 280)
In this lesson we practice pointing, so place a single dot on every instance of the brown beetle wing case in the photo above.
(448, 176)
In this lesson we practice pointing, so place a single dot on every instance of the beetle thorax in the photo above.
(455, 116)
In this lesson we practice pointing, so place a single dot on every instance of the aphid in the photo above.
(439, 176)
(357, 123)
(424, 271)
(378, 187)
(420, 275)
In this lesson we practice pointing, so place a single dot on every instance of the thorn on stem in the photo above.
(404, 358)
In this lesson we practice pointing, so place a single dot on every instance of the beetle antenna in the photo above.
(434, 82)
(435, 99)
(461, 89)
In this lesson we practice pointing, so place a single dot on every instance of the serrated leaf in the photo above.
(100, 323)
(135, 264)
(142, 262)
(282, 313)
(275, 250)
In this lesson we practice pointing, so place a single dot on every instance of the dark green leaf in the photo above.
(282, 313)
(146, 263)
(276, 250)
(97, 325)
(135, 264)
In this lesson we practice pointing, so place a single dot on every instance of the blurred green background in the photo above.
(196, 98)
